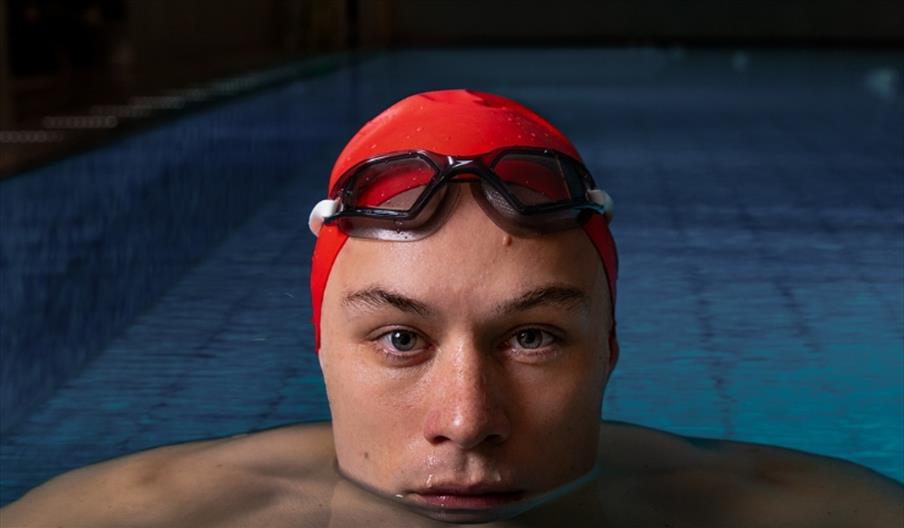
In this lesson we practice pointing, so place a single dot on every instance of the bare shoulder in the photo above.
(746, 484)
(815, 489)
(201, 483)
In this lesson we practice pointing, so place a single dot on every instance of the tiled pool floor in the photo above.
(760, 225)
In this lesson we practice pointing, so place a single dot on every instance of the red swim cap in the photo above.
(457, 123)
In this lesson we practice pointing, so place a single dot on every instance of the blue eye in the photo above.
(531, 339)
(401, 340)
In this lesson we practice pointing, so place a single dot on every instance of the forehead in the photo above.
(469, 259)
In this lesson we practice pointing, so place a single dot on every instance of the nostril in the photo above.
(466, 433)
(495, 439)
(438, 439)
(467, 443)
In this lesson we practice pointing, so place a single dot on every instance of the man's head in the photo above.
(473, 360)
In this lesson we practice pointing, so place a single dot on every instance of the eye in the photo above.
(401, 341)
(531, 339)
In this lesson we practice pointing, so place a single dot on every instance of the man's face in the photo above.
(467, 363)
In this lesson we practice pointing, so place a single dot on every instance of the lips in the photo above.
(467, 497)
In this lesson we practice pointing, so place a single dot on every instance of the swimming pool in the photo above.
(759, 223)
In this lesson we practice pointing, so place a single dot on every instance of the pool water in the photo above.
(758, 217)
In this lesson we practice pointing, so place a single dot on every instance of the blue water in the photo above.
(758, 216)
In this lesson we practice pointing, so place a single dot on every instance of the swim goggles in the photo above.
(406, 195)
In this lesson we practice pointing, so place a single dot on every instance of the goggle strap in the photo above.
(327, 208)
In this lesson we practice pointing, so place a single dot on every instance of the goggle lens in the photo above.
(533, 179)
(392, 184)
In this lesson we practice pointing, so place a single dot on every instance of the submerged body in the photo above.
(287, 477)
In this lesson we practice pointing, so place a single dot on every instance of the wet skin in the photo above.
(463, 370)
(287, 477)
(465, 374)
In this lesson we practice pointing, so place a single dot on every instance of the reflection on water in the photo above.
(352, 505)
(352, 496)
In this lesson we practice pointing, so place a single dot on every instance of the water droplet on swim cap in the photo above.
(455, 122)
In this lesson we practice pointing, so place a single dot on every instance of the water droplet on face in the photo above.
(429, 483)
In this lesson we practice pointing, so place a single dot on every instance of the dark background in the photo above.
(60, 56)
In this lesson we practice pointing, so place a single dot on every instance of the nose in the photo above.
(467, 406)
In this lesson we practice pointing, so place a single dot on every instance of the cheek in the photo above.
(371, 408)
(564, 406)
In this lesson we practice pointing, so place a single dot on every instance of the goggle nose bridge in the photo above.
(458, 170)
(471, 170)
(458, 166)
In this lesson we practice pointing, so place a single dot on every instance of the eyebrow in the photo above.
(376, 297)
(564, 297)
